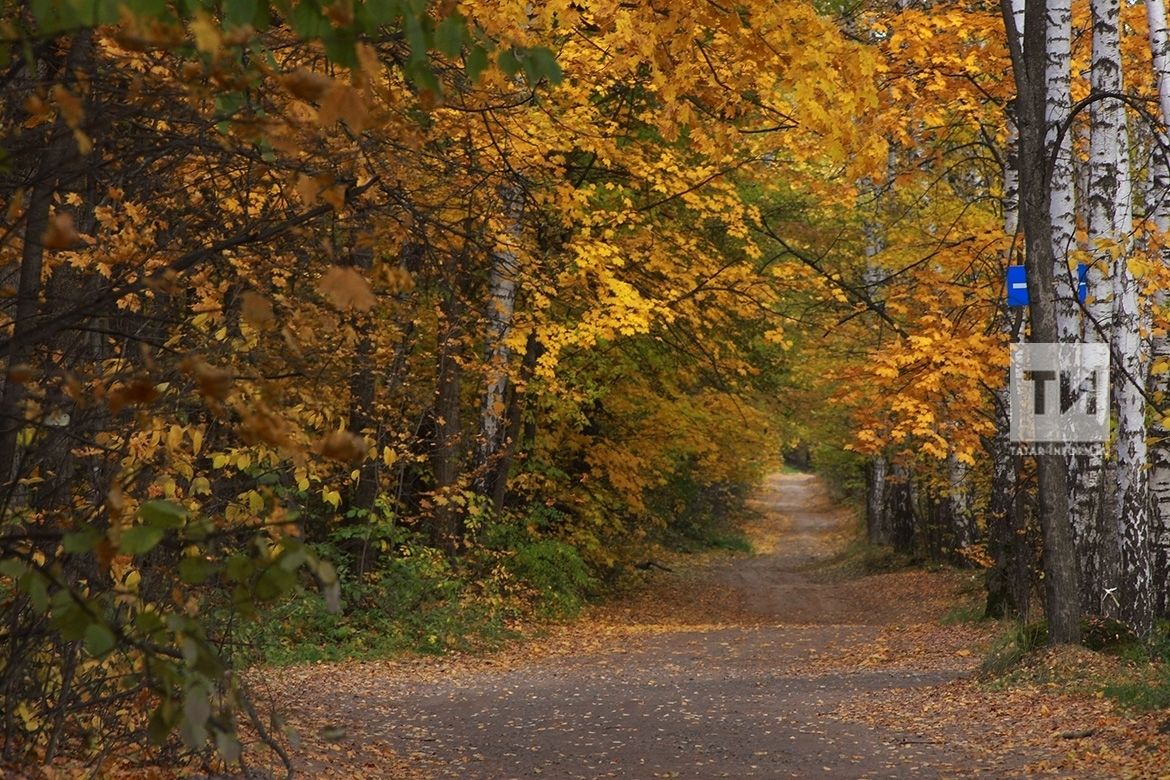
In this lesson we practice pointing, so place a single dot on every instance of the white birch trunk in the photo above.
(1111, 223)
(877, 518)
(1084, 469)
(1158, 213)
(1062, 205)
(1080, 132)
(501, 307)
(959, 500)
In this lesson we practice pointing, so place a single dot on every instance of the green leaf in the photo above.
(80, 541)
(228, 103)
(420, 74)
(56, 15)
(542, 64)
(415, 38)
(195, 571)
(308, 21)
(242, 601)
(140, 539)
(373, 14)
(508, 62)
(149, 623)
(239, 567)
(476, 63)
(162, 721)
(10, 567)
(162, 514)
(293, 556)
(450, 35)
(340, 47)
(71, 620)
(198, 528)
(237, 13)
(52, 16)
(228, 746)
(274, 582)
(153, 9)
(200, 657)
(196, 711)
(37, 588)
(99, 640)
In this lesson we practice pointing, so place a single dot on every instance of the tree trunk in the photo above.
(517, 407)
(1158, 211)
(447, 522)
(1003, 546)
(963, 530)
(1007, 590)
(501, 306)
(877, 516)
(899, 509)
(1110, 225)
(1062, 606)
(876, 519)
(1062, 207)
(60, 149)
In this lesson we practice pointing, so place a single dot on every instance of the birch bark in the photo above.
(1158, 212)
(1125, 559)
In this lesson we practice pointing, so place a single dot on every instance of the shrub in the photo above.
(557, 574)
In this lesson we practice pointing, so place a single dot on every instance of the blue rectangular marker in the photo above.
(1017, 286)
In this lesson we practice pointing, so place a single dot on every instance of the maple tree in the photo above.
(269, 296)
(303, 295)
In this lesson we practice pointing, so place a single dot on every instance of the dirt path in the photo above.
(747, 667)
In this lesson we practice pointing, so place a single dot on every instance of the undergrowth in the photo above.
(400, 595)
(1134, 672)
(698, 517)
(862, 558)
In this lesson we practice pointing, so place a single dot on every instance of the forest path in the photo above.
(774, 665)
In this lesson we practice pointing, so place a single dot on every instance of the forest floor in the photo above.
(787, 662)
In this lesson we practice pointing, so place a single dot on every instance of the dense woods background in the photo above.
(453, 312)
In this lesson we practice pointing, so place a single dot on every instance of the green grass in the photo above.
(381, 618)
(1134, 673)
(416, 600)
(860, 557)
(1144, 696)
(961, 614)
(702, 531)
(1150, 660)
(731, 539)
(1013, 647)
(301, 631)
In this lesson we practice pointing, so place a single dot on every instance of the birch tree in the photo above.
(877, 476)
(1126, 524)
(501, 306)
(1158, 211)
(1058, 63)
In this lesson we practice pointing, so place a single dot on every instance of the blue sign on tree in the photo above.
(1017, 286)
